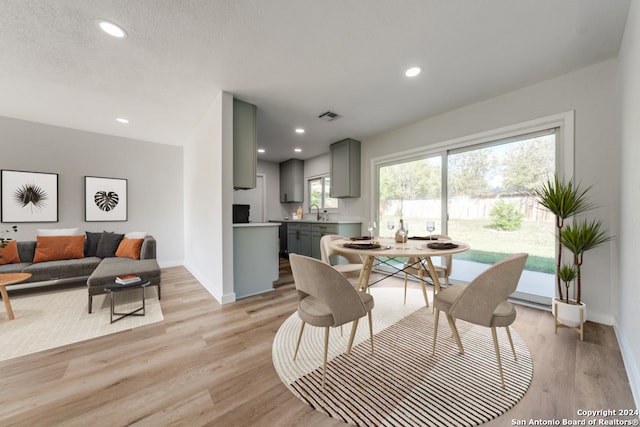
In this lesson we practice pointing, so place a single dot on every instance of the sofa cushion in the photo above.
(53, 248)
(26, 250)
(63, 269)
(129, 248)
(91, 243)
(108, 244)
(59, 232)
(9, 254)
(14, 268)
(136, 235)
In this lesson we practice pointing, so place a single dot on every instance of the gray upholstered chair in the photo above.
(483, 302)
(354, 266)
(418, 268)
(327, 299)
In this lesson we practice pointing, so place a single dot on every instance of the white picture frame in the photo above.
(105, 199)
(29, 196)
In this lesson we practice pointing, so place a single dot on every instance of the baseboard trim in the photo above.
(630, 364)
(221, 298)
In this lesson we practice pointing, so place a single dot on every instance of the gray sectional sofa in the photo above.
(96, 272)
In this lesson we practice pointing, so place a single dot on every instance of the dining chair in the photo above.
(327, 299)
(417, 267)
(354, 265)
(483, 302)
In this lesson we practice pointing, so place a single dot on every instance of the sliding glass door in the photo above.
(492, 206)
(482, 194)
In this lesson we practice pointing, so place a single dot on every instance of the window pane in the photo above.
(315, 191)
(411, 191)
(329, 202)
(492, 207)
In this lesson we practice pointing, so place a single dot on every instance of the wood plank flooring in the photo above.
(210, 365)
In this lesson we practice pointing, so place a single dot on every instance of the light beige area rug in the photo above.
(403, 384)
(58, 317)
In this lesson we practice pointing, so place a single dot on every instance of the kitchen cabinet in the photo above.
(345, 168)
(318, 230)
(244, 145)
(292, 181)
(299, 238)
(303, 238)
(255, 258)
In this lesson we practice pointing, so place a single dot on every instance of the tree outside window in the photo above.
(319, 193)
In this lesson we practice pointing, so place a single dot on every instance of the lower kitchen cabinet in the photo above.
(303, 238)
(317, 231)
(255, 258)
(299, 238)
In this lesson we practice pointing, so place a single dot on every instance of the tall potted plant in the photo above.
(565, 200)
(579, 238)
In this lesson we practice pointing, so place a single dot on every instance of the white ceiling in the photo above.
(294, 59)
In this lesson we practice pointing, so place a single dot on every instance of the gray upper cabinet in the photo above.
(345, 168)
(244, 145)
(292, 181)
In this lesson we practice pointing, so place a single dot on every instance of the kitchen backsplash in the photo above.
(348, 209)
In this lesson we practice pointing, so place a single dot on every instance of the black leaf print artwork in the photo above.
(106, 201)
(30, 194)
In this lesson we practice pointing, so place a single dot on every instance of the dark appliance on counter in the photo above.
(241, 214)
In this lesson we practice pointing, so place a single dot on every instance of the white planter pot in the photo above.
(570, 314)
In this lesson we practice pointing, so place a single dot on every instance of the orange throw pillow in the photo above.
(129, 248)
(9, 254)
(54, 248)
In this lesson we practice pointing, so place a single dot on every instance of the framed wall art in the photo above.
(105, 199)
(29, 196)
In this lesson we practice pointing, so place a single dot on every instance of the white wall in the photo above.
(593, 93)
(208, 196)
(628, 241)
(154, 173)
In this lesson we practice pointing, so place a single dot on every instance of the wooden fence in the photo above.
(466, 208)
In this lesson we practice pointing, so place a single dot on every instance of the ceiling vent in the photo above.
(328, 116)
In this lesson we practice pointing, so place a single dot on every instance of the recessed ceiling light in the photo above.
(412, 72)
(112, 29)
(122, 120)
(299, 130)
(261, 150)
(298, 150)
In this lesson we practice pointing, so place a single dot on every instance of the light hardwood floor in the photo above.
(208, 364)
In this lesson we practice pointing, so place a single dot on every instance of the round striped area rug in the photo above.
(402, 383)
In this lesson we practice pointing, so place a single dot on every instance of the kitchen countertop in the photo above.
(257, 224)
(315, 221)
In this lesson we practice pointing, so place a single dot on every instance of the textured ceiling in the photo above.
(294, 59)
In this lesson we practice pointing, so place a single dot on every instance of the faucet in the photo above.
(317, 211)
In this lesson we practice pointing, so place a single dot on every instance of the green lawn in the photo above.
(534, 263)
(489, 246)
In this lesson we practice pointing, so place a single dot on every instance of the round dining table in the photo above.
(421, 250)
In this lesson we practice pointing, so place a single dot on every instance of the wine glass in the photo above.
(431, 227)
(404, 232)
(371, 226)
(390, 226)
